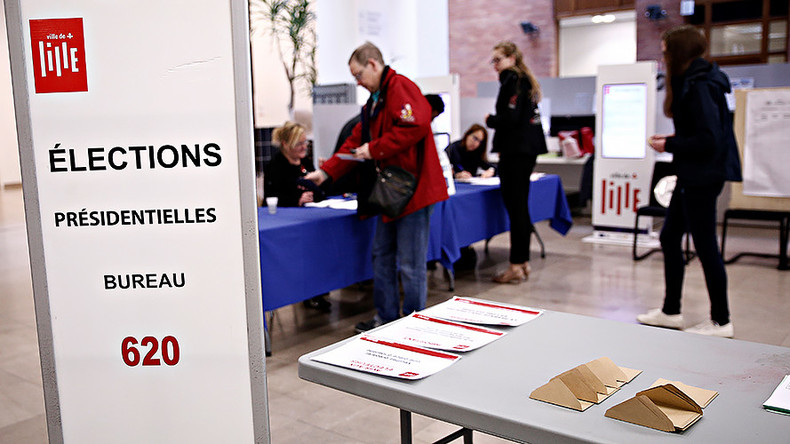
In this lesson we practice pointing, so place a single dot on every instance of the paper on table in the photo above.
(349, 157)
(779, 401)
(337, 204)
(480, 180)
(427, 331)
(479, 311)
(387, 358)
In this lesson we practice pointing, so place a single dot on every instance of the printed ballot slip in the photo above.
(479, 311)
(387, 358)
(428, 331)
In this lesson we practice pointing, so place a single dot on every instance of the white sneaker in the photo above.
(657, 318)
(710, 328)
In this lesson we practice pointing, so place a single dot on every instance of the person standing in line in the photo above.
(705, 155)
(395, 130)
(518, 138)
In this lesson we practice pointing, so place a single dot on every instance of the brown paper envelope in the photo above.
(668, 395)
(701, 396)
(575, 381)
(630, 374)
(607, 371)
(592, 380)
(556, 392)
(681, 419)
(642, 411)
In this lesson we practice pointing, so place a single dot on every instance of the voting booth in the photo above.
(135, 139)
(625, 117)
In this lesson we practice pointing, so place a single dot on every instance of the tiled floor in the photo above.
(589, 279)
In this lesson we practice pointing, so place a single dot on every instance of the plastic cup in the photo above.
(271, 202)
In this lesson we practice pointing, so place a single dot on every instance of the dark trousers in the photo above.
(694, 209)
(514, 171)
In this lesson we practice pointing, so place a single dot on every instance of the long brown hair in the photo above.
(483, 143)
(684, 44)
(509, 48)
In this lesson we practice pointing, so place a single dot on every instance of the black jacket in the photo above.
(464, 160)
(286, 181)
(517, 121)
(703, 147)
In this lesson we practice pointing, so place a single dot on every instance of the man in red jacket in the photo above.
(395, 130)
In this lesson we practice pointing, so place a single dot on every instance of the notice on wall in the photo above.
(765, 152)
(133, 152)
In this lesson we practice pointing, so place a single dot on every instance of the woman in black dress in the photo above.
(518, 138)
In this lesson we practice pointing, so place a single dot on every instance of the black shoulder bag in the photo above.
(392, 190)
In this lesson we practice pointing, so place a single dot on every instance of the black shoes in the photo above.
(318, 303)
(362, 327)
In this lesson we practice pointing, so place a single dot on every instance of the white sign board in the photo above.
(135, 139)
(623, 162)
(765, 153)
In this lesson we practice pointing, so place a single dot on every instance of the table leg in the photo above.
(405, 427)
(784, 232)
(405, 431)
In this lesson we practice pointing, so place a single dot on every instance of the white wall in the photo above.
(9, 151)
(413, 36)
(583, 47)
(270, 85)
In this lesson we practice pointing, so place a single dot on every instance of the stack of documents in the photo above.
(338, 204)
(779, 401)
(419, 345)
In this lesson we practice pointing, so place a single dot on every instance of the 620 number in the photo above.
(171, 353)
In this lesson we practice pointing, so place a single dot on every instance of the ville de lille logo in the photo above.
(58, 49)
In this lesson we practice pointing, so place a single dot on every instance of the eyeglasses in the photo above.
(358, 75)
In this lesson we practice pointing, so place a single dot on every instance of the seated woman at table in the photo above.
(468, 155)
(284, 179)
(284, 176)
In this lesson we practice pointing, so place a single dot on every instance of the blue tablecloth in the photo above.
(309, 251)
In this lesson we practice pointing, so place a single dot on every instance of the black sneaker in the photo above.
(369, 325)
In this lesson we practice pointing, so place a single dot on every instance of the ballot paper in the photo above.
(479, 311)
(337, 204)
(387, 358)
(480, 180)
(427, 331)
(779, 401)
(349, 157)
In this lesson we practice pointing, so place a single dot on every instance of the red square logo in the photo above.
(58, 49)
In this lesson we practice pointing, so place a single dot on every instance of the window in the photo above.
(743, 31)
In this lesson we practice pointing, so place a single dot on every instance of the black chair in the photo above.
(655, 209)
(783, 217)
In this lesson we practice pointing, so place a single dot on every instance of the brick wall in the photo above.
(476, 26)
(648, 32)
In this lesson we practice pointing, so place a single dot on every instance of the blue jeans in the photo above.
(401, 244)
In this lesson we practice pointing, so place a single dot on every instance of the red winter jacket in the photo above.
(396, 132)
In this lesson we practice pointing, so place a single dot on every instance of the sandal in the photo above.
(511, 276)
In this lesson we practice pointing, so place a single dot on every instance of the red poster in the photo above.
(58, 52)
